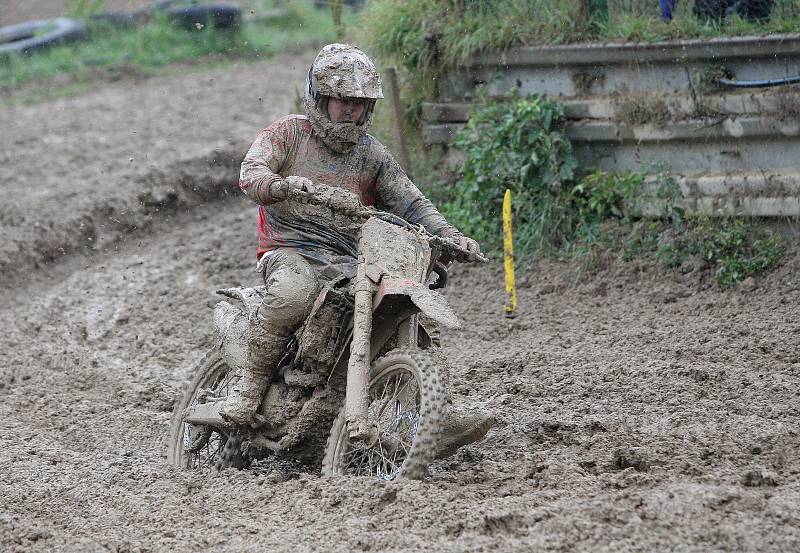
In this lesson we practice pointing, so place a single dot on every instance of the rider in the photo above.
(300, 245)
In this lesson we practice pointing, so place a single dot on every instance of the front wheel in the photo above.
(406, 404)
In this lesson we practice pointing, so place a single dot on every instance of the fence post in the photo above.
(336, 12)
(400, 131)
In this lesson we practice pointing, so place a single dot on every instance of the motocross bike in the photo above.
(360, 382)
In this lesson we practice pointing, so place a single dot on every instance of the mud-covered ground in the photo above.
(80, 173)
(638, 411)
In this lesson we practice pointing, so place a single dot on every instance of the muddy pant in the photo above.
(291, 288)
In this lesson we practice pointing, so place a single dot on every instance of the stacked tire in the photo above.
(31, 36)
(40, 34)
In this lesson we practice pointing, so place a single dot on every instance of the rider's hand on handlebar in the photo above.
(470, 245)
(338, 199)
(472, 250)
(293, 186)
(299, 185)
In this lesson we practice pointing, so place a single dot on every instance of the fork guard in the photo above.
(430, 302)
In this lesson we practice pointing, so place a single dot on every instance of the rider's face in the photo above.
(346, 109)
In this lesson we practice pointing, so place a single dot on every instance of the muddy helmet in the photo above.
(341, 71)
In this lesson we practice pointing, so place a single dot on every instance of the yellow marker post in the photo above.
(508, 257)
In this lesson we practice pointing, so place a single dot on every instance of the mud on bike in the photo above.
(360, 389)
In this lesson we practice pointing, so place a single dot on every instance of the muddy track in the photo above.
(81, 173)
(638, 411)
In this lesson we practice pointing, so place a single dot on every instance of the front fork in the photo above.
(356, 403)
(357, 394)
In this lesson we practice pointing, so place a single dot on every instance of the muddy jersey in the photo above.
(291, 147)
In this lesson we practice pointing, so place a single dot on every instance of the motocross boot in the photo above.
(264, 351)
(254, 344)
(461, 426)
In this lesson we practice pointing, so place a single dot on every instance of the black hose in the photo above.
(760, 83)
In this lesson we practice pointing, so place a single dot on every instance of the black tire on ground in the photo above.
(415, 373)
(36, 35)
(219, 450)
(220, 16)
(122, 20)
(710, 9)
(754, 10)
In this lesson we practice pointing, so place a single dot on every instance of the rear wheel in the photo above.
(195, 447)
(407, 401)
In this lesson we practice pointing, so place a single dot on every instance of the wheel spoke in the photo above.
(385, 387)
(398, 379)
(381, 453)
(397, 451)
(349, 454)
(362, 460)
(395, 396)
(403, 387)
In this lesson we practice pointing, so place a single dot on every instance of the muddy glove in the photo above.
(282, 189)
(468, 244)
(338, 199)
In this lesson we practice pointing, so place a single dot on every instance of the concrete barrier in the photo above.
(639, 106)
(672, 67)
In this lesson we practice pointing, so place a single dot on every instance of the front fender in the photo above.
(430, 302)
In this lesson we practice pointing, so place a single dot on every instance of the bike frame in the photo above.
(389, 289)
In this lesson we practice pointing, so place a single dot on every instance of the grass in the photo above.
(736, 247)
(159, 43)
(425, 33)
(424, 37)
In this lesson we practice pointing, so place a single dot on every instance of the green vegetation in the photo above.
(559, 213)
(159, 43)
(517, 146)
(425, 36)
(584, 218)
(737, 247)
(425, 33)
(83, 8)
(705, 78)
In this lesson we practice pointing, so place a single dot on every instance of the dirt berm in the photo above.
(81, 173)
(638, 411)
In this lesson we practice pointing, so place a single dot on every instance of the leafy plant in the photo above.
(705, 78)
(517, 146)
(600, 195)
(736, 246)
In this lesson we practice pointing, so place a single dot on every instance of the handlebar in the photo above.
(345, 203)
